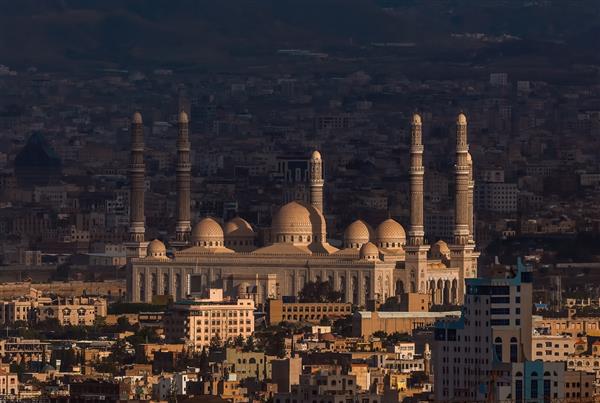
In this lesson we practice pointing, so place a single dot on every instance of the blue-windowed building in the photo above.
(487, 351)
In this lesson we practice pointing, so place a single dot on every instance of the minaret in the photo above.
(184, 167)
(416, 250)
(461, 170)
(461, 250)
(136, 247)
(471, 195)
(316, 181)
(416, 232)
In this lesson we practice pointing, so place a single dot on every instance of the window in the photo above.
(498, 348)
(514, 350)
(534, 388)
(519, 391)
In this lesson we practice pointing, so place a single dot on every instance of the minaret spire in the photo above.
(462, 254)
(471, 200)
(416, 233)
(136, 245)
(136, 174)
(316, 181)
(416, 249)
(461, 169)
(183, 178)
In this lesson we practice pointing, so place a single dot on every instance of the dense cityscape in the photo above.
(379, 217)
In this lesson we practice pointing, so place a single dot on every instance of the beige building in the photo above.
(9, 384)
(568, 325)
(76, 311)
(197, 321)
(365, 323)
(248, 364)
(371, 264)
(109, 288)
(16, 349)
(68, 311)
(579, 387)
(312, 312)
(556, 348)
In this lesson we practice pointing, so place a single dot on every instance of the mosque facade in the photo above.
(372, 264)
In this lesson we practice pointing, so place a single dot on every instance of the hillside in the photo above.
(125, 33)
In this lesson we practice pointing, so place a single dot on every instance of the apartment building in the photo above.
(197, 321)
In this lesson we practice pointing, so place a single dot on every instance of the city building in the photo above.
(198, 321)
(487, 353)
(365, 323)
(280, 310)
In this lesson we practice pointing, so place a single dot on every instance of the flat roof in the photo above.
(409, 315)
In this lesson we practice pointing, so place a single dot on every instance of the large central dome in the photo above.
(298, 223)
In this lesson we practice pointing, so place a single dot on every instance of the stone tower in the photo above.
(316, 181)
(462, 249)
(416, 250)
(136, 247)
(183, 178)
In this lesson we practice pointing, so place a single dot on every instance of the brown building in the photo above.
(365, 323)
(312, 312)
(415, 302)
(579, 386)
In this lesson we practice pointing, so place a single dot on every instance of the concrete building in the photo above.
(312, 312)
(81, 311)
(286, 372)
(197, 321)
(487, 353)
(248, 364)
(365, 323)
(328, 387)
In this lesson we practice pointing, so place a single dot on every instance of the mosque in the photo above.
(371, 265)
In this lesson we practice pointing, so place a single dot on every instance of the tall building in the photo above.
(371, 265)
(487, 353)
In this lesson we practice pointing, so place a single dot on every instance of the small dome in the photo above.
(315, 155)
(207, 233)
(298, 222)
(369, 251)
(238, 227)
(416, 119)
(462, 119)
(156, 249)
(137, 118)
(440, 250)
(357, 234)
(390, 234)
(243, 286)
(183, 117)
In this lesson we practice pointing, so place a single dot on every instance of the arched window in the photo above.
(534, 385)
(498, 348)
(514, 350)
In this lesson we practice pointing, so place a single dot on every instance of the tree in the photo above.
(250, 344)
(325, 321)
(319, 291)
(123, 324)
(396, 337)
(215, 343)
(204, 364)
(380, 334)
(239, 341)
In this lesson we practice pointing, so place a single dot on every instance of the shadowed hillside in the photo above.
(201, 32)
